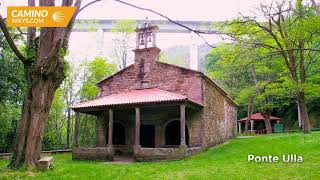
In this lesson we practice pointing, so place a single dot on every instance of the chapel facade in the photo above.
(154, 111)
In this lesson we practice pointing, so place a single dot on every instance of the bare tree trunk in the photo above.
(304, 113)
(249, 113)
(300, 96)
(299, 115)
(246, 125)
(68, 126)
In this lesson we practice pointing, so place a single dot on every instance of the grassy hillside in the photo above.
(226, 161)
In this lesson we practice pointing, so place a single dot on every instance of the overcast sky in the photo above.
(211, 10)
(88, 45)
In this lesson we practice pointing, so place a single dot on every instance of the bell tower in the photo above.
(146, 36)
(146, 52)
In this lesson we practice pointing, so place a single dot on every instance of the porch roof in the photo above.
(135, 96)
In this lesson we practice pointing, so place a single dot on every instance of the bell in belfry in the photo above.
(146, 36)
(141, 39)
(149, 37)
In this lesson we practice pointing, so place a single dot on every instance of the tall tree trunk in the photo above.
(303, 112)
(246, 125)
(44, 76)
(36, 107)
(300, 95)
(68, 126)
(249, 113)
(299, 115)
(44, 72)
(267, 122)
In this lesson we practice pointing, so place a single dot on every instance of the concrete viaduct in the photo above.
(89, 25)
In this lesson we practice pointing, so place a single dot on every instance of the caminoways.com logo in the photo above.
(41, 16)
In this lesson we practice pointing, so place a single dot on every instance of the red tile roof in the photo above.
(259, 117)
(136, 96)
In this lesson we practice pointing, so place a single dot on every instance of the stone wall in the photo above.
(193, 122)
(230, 113)
(98, 153)
(141, 154)
(219, 116)
(157, 154)
(193, 150)
(148, 72)
(210, 126)
(8, 156)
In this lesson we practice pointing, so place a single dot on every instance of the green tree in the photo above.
(12, 85)
(241, 72)
(288, 34)
(175, 59)
(43, 62)
(122, 42)
(93, 72)
(70, 92)
(55, 128)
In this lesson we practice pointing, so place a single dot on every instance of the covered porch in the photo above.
(154, 125)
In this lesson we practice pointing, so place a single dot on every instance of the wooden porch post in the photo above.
(183, 125)
(239, 123)
(76, 129)
(100, 130)
(110, 143)
(137, 127)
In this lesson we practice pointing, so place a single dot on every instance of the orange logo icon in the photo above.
(42, 16)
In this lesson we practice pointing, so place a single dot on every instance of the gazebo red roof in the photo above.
(135, 96)
(259, 117)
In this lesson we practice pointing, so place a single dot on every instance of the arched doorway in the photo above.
(119, 134)
(147, 136)
(172, 133)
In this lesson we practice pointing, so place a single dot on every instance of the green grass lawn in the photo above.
(226, 161)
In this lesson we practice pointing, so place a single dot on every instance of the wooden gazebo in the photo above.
(257, 119)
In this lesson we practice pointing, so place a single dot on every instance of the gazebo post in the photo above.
(252, 125)
(239, 125)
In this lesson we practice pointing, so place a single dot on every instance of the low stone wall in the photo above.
(5, 156)
(157, 154)
(97, 153)
(193, 150)
(141, 154)
(8, 156)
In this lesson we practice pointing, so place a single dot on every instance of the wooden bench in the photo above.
(45, 163)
